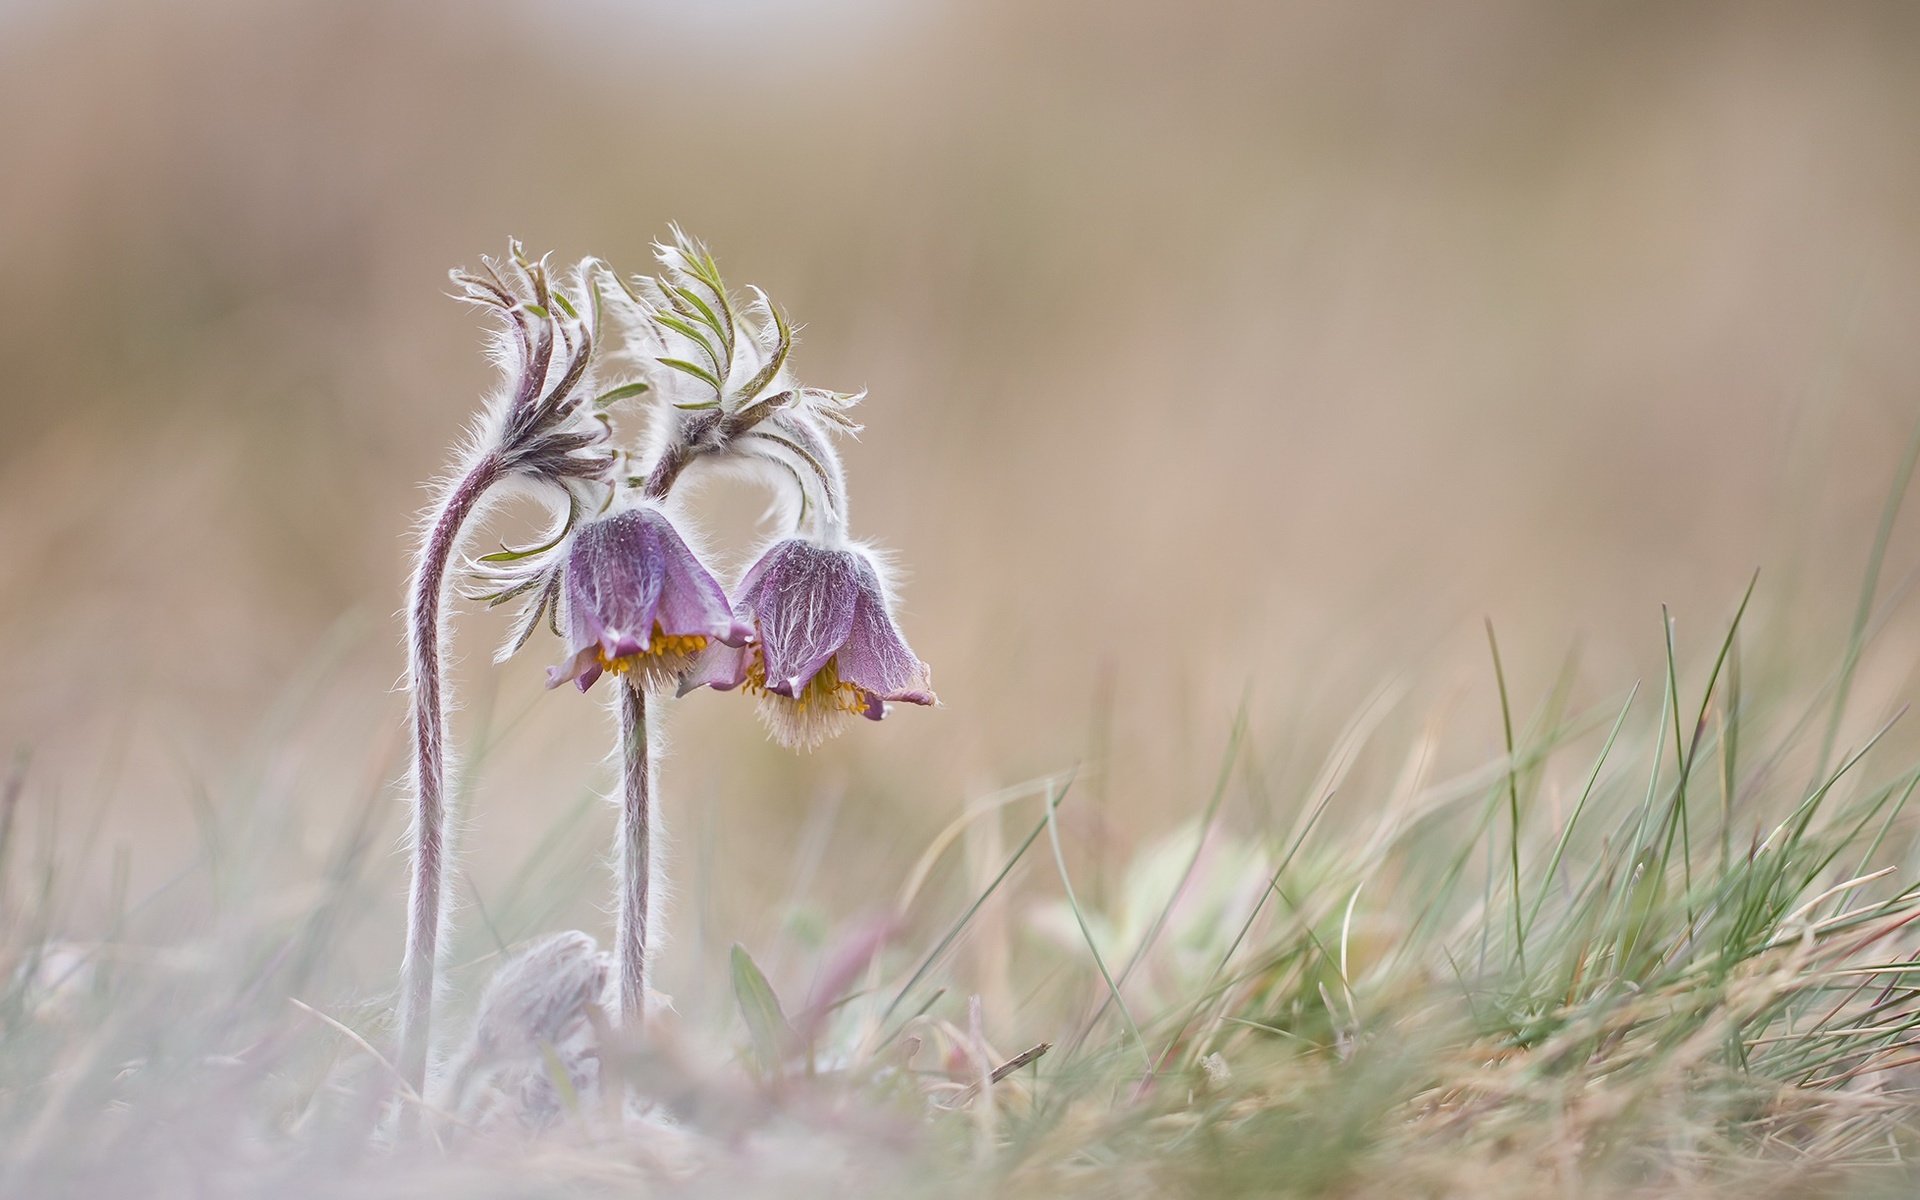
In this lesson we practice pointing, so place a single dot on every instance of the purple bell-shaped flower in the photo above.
(636, 601)
(825, 646)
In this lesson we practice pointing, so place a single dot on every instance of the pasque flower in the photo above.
(812, 634)
(635, 600)
(825, 644)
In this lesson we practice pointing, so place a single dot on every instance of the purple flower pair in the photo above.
(812, 634)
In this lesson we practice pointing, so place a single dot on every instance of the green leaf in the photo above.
(708, 268)
(706, 312)
(565, 307)
(698, 405)
(687, 328)
(509, 554)
(760, 1008)
(701, 267)
(766, 373)
(536, 310)
(625, 391)
(694, 369)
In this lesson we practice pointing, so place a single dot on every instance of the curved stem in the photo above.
(666, 472)
(639, 816)
(426, 668)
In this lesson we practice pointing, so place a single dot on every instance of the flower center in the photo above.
(825, 692)
(661, 647)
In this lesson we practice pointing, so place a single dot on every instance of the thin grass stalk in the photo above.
(1093, 948)
(10, 793)
(1863, 612)
(1053, 799)
(1235, 741)
(1513, 801)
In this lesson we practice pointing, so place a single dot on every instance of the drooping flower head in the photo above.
(544, 423)
(633, 599)
(825, 645)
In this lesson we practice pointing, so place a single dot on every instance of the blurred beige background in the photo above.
(1214, 349)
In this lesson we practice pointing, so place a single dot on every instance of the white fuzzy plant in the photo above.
(809, 630)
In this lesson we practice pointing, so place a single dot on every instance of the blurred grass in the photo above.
(1286, 341)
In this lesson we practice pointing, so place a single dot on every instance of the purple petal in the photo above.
(614, 575)
(577, 666)
(621, 645)
(803, 605)
(876, 657)
(624, 575)
(770, 561)
(721, 668)
(691, 600)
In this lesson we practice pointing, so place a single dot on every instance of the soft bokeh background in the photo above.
(1215, 350)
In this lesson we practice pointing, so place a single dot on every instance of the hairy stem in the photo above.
(666, 472)
(426, 668)
(638, 820)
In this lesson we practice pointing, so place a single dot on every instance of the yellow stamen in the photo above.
(825, 692)
(661, 647)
